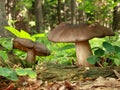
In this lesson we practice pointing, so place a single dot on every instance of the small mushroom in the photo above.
(32, 48)
(79, 34)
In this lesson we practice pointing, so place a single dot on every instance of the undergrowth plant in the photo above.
(13, 74)
(107, 55)
(5, 69)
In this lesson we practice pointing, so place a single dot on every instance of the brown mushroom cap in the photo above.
(26, 44)
(40, 49)
(23, 44)
(65, 32)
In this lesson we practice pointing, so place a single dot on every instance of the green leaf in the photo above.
(117, 55)
(20, 34)
(5, 71)
(7, 43)
(13, 31)
(3, 55)
(67, 47)
(32, 74)
(8, 73)
(99, 52)
(117, 61)
(93, 59)
(39, 35)
(117, 48)
(24, 34)
(13, 76)
(21, 72)
(26, 71)
(108, 47)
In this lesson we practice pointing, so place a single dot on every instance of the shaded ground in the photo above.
(59, 77)
(52, 72)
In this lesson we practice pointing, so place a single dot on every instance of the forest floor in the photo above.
(61, 77)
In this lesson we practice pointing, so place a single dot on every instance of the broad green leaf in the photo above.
(20, 34)
(117, 48)
(2, 40)
(99, 52)
(24, 34)
(2, 72)
(26, 71)
(32, 74)
(117, 55)
(5, 71)
(13, 76)
(67, 47)
(8, 73)
(13, 31)
(117, 61)
(7, 43)
(93, 59)
(3, 55)
(108, 47)
(21, 72)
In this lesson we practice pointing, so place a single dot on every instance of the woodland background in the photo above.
(37, 18)
(40, 15)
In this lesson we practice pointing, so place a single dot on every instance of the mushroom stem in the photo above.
(31, 56)
(83, 51)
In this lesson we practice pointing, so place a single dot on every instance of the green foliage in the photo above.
(69, 46)
(61, 53)
(109, 48)
(88, 6)
(97, 10)
(6, 43)
(26, 71)
(6, 71)
(108, 52)
(93, 59)
(99, 52)
(11, 74)
(3, 55)
(24, 4)
(20, 34)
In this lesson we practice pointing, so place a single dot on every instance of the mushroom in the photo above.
(79, 34)
(32, 48)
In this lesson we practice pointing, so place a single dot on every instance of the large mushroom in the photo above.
(32, 48)
(80, 35)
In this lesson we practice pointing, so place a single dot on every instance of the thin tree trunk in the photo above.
(39, 15)
(66, 10)
(3, 21)
(116, 17)
(59, 11)
(73, 11)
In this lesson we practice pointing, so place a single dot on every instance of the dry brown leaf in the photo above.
(116, 73)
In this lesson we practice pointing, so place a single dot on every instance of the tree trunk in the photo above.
(116, 17)
(3, 21)
(10, 8)
(73, 11)
(59, 11)
(66, 10)
(38, 15)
